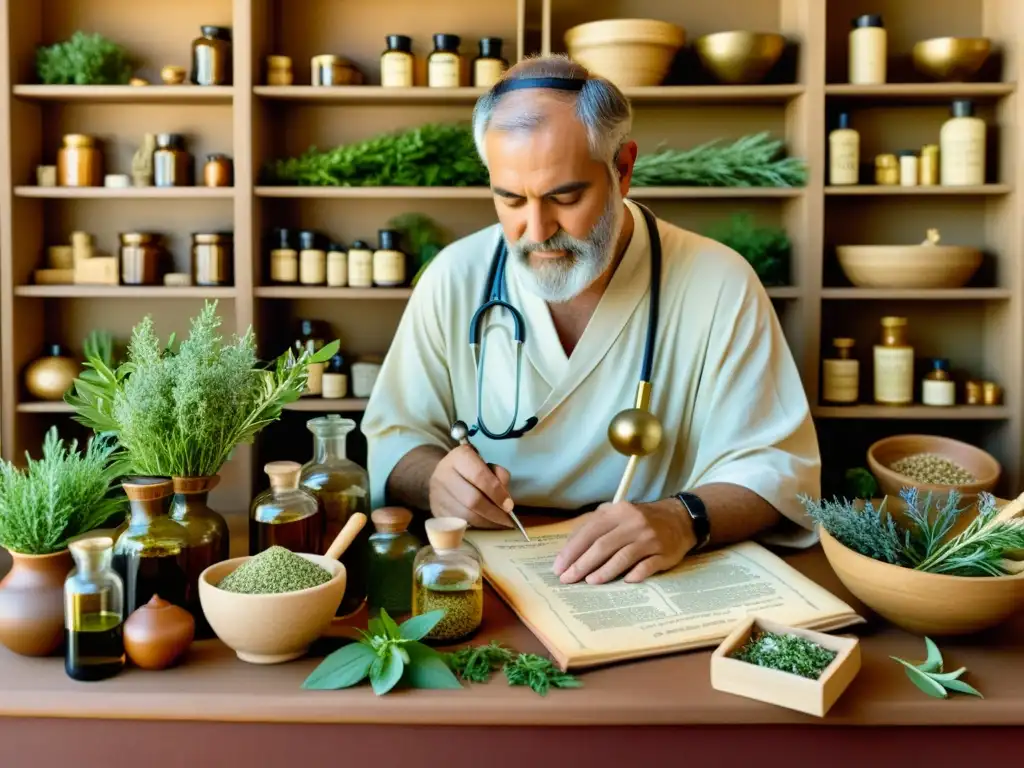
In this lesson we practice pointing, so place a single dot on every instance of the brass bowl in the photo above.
(951, 59)
(738, 57)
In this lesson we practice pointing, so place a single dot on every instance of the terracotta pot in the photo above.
(158, 633)
(32, 603)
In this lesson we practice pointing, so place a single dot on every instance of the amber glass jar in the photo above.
(212, 257)
(217, 171)
(141, 253)
(172, 163)
(286, 515)
(211, 56)
(79, 162)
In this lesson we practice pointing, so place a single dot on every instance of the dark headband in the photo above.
(558, 83)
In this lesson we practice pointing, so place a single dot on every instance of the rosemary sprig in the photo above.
(476, 664)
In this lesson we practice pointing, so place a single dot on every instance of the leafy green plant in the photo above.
(766, 248)
(930, 677)
(861, 483)
(83, 59)
(983, 548)
(100, 345)
(431, 155)
(388, 654)
(181, 412)
(422, 238)
(476, 664)
(751, 161)
(62, 495)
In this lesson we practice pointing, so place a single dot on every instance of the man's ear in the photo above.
(624, 160)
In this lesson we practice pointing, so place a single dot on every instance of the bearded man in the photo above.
(571, 264)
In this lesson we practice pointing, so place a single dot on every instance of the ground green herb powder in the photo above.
(786, 653)
(273, 571)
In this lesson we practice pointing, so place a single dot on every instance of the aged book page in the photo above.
(692, 606)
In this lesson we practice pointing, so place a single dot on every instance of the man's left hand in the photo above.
(636, 539)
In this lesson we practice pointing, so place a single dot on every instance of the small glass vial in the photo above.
(489, 66)
(868, 50)
(938, 388)
(844, 153)
(841, 374)
(887, 170)
(172, 164)
(449, 577)
(284, 258)
(388, 260)
(337, 266)
(360, 265)
(929, 170)
(393, 551)
(894, 364)
(211, 56)
(285, 515)
(908, 168)
(397, 63)
(93, 612)
(973, 393)
(312, 259)
(335, 378)
(444, 65)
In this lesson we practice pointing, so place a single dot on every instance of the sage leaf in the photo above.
(428, 669)
(961, 687)
(341, 669)
(934, 661)
(944, 677)
(390, 673)
(922, 680)
(417, 627)
(390, 628)
(375, 627)
(325, 352)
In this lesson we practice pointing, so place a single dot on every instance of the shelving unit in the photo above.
(980, 327)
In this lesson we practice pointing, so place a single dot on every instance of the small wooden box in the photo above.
(814, 697)
(98, 270)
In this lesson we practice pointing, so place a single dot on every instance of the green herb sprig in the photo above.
(930, 677)
(83, 59)
(476, 664)
(388, 654)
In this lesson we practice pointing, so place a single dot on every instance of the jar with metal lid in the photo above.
(279, 70)
(212, 257)
(284, 258)
(172, 163)
(217, 171)
(312, 259)
(489, 66)
(141, 253)
(444, 65)
(894, 364)
(79, 162)
(938, 387)
(211, 56)
(887, 170)
(388, 260)
(328, 69)
(397, 63)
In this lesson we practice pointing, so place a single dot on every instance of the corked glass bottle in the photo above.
(393, 550)
(93, 612)
(286, 515)
(448, 576)
(894, 364)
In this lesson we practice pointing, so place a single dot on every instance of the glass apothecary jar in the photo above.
(93, 612)
(172, 163)
(213, 258)
(79, 162)
(286, 515)
(211, 56)
(343, 488)
(448, 576)
(393, 551)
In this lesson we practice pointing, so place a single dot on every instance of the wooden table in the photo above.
(214, 710)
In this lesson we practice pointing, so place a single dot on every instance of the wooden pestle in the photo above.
(346, 536)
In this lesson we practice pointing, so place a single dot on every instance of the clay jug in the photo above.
(158, 633)
(32, 603)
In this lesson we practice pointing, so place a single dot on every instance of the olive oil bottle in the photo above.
(93, 612)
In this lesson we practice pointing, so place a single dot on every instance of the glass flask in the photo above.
(448, 576)
(151, 555)
(343, 488)
(93, 612)
(392, 552)
(286, 515)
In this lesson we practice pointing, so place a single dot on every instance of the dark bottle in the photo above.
(93, 612)
(286, 515)
(211, 56)
(392, 552)
(489, 66)
(172, 164)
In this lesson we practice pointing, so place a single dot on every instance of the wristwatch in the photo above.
(699, 516)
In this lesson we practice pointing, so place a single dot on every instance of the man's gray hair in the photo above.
(602, 108)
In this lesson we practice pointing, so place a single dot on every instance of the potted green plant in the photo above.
(53, 500)
(180, 412)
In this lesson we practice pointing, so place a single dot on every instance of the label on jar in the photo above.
(335, 385)
(443, 70)
(284, 265)
(845, 166)
(842, 381)
(396, 70)
(894, 375)
(388, 267)
(312, 267)
(963, 159)
(867, 57)
(337, 269)
(935, 392)
(360, 269)
(486, 72)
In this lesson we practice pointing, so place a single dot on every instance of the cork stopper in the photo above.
(283, 474)
(445, 532)
(148, 488)
(391, 519)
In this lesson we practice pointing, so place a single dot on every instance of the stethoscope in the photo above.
(495, 295)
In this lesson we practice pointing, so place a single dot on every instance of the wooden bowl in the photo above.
(628, 52)
(933, 604)
(883, 453)
(951, 59)
(739, 57)
(908, 266)
(270, 629)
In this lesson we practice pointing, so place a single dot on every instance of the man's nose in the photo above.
(539, 225)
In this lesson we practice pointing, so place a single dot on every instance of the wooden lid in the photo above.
(148, 488)
(283, 474)
(445, 532)
(195, 484)
(391, 519)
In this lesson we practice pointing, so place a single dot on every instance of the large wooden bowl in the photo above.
(908, 266)
(951, 59)
(628, 52)
(270, 629)
(932, 604)
(738, 57)
(885, 452)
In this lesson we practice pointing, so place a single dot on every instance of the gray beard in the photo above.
(562, 279)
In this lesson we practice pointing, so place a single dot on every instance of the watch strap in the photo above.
(699, 517)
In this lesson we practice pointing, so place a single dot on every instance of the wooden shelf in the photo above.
(328, 406)
(126, 193)
(58, 406)
(124, 292)
(921, 294)
(484, 193)
(324, 292)
(871, 189)
(920, 92)
(916, 412)
(784, 292)
(127, 94)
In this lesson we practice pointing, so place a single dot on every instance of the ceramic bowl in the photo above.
(951, 59)
(172, 75)
(270, 629)
(932, 604)
(908, 266)
(628, 52)
(738, 57)
(885, 452)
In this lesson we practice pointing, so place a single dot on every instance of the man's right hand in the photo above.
(463, 485)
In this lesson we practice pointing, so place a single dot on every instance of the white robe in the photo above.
(725, 385)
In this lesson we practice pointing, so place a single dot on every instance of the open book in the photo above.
(694, 605)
